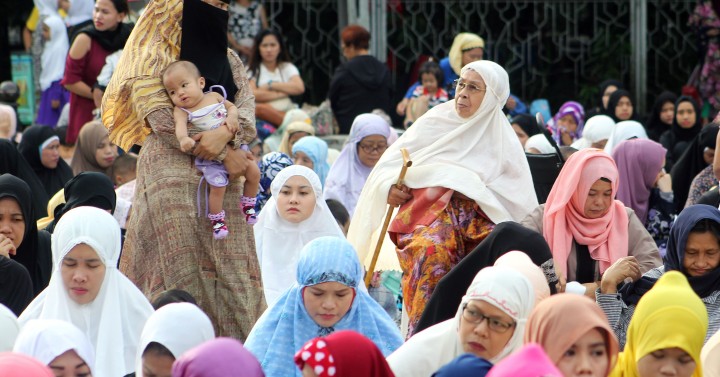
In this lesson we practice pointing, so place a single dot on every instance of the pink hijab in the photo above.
(564, 220)
(639, 161)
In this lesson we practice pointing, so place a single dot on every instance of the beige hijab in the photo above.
(559, 321)
(91, 134)
(298, 126)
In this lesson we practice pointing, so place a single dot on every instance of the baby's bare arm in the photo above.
(181, 131)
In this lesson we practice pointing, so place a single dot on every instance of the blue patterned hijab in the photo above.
(286, 327)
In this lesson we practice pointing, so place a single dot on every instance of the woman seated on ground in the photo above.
(367, 141)
(220, 357)
(40, 148)
(350, 354)
(575, 334)
(620, 106)
(21, 242)
(87, 285)
(697, 158)
(312, 152)
(273, 78)
(489, 323)
(169, 332)
(645, 187)
(294, 215)
(328, 296)
(567, 125)
(587, 229)
(59, 345)
(596, 133)
(624, 130)
(665, 336)
(94, 151)
(687, 123)
(693, 249)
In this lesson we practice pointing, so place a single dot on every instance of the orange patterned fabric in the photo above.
(446, 230)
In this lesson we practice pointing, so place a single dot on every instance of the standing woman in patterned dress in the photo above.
(167, 246)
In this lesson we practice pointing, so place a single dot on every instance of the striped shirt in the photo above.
(619, 313)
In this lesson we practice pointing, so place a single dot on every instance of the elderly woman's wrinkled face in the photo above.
(371, 148)
(469, 93)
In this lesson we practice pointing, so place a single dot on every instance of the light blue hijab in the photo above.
(286, 327)
(317, 149)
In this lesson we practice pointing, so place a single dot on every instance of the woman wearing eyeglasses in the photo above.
(489, 323)
(469, 173)
(367, 141)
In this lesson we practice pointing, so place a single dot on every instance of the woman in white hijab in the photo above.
(87, 290)
(294, 215)
(490, 323)
(538, 144)
(596, 133)
(168, 333)
(468, 173)
(625, 130)
(57, 344)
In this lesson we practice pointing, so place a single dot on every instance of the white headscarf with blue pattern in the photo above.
(286, 327)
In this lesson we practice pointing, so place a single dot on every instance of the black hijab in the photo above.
(12, 162)
(16, 288)
(506, 236)
(204, 42)
(603, 86)
(37, 260)
(673, 261)
(527, 123)
(613, 102)
(691, 163)
(53, 180)
(686, 134)
(86, 189)
(654, 126)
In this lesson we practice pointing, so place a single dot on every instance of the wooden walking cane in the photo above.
(406, 164)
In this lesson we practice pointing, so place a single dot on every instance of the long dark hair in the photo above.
(256, 59)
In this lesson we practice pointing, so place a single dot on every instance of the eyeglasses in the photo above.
(477, 318)
(461, 85)
(370, 148)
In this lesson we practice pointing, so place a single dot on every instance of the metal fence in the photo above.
(558, 50)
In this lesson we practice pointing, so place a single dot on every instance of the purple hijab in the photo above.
(348, 174)
(638, 161)
(215, 358)
(568, 108)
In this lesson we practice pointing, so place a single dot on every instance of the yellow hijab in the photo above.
(670, 315)
(462, 43)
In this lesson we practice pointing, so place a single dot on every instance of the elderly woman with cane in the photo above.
(468, 173)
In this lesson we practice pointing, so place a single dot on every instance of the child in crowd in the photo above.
(428, 94)
(340, 213)
(54, 96)
(124, 171)
(206, 111)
